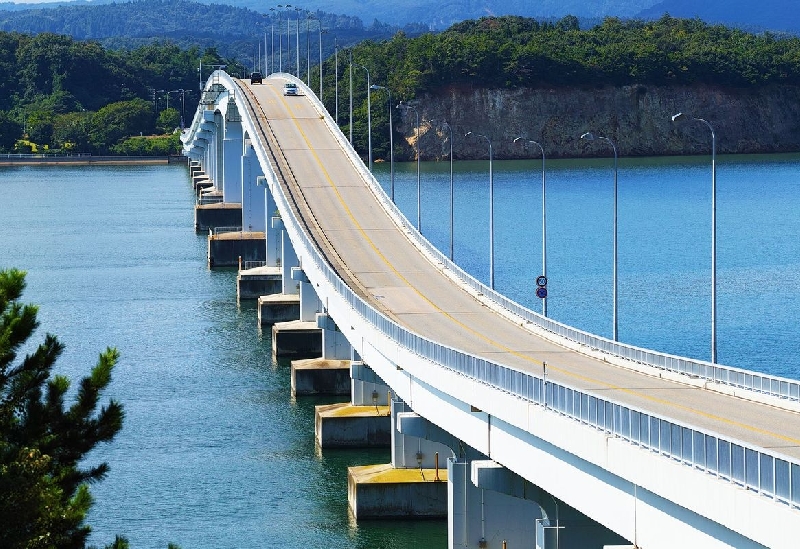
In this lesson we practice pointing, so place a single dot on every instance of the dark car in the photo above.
(255, 78)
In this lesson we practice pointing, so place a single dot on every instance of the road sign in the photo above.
(541, 280)
(541, 292)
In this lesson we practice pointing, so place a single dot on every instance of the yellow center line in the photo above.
(504, 348)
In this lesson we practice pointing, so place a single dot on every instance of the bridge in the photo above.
(556, 437)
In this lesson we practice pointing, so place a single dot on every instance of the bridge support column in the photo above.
(274, 230)
(334, 344)
(366, 388)
(489, 504)
(232, 163)
(252, 194)
(285, 306)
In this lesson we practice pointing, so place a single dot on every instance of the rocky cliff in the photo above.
(637, 118)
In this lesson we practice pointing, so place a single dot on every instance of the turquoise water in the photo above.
(215, 453)
(664, 246)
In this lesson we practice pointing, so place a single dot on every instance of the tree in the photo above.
(122, 119)
(43, 482)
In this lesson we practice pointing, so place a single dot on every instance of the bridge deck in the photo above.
(383, 266)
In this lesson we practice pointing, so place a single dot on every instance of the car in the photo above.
(290, 88)
(256, 78)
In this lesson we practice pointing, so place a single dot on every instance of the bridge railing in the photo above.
(762, 383)
(768, 473)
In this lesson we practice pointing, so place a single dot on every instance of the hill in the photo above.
(233, 31)
(772, 15)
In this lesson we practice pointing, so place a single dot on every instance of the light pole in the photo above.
(321, 32)
(336, 76)
(369, 116)
(351, 95)
(589, 136)
(675, 118)
(279, 10)
(491, 209)
(391, 138)
(297, 40)
(450, 129)
(309, 16)
(544, 221)
(406, 106)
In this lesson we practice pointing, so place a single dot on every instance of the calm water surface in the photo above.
(215, 453)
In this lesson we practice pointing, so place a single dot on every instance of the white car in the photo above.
(290, 88)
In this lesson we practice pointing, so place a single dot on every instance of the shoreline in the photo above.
(21, 160)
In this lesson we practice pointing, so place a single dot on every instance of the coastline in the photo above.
(78, 160)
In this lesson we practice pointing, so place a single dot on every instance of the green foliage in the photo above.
(43, 482)
(149, 146)
(168, 120)
(9, 130)
(77, 96)
(121, 119)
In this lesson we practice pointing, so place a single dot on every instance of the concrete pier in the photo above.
(225, 248)
(317, 376)
(296, 339)
(279, 308)
(219, 214)
(381, 491)
(348, 426)
(258, 281)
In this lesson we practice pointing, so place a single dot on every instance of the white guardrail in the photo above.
(768, 473)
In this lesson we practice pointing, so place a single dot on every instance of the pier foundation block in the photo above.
(317, 376)
(381, 491)
(296, 339)
(218, 214)
(348, 426)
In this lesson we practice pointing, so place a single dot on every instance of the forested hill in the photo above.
(233, 31)
(773, 15)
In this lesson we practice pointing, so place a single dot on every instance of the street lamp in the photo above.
(350, 52)
(309, 17)
(279, 10)
(369, 117)
(321, 32)
(589, 136)
(544, 223)
(406, 106)
(391, 138)
(297, 40)
(450, 129)
(675, 118)
(336, 76)
(491, 209)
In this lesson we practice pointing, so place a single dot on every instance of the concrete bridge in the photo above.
(553, 437)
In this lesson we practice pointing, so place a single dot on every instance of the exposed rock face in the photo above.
(637, 118)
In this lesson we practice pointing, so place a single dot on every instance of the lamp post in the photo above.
(675, 118)
(369, 117)
(406, 106)
(297, 40)
(450, 130)
(336, 77)
(544, 221)
(279, 10)
(309, 17)
(589, 136)
(391, 138)
(321, 32)
(351, 95)
(491, 209)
